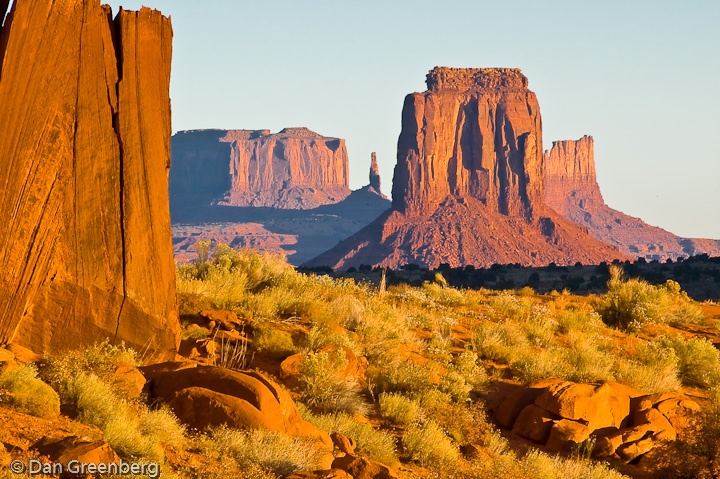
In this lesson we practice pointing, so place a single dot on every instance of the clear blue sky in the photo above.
(641, 77)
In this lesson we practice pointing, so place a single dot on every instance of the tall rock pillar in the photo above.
(85, 245)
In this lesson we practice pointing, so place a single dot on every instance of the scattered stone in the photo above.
(75, 448)
(343, 443)
(360, 467)
(326, 474)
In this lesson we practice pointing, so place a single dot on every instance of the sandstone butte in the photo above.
(572, 190)
(468, 186)
(85, 246)
(293, 169)
(301, 234)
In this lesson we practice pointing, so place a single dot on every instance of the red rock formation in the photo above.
(571, 189)
(475, 133)
(293, 169)
(85, 246)
(374, 174)
(468, 184)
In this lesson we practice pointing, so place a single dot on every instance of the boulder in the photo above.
(85, 244)
(600, 406)
(343, 443)
(565, 434)
(128, 379)
(208, 396)
(75, 448)
(509, 409)
(360, 467)
(534, 423)
(632, 450)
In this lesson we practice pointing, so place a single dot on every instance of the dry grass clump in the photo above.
(21, 389)
(429, 445)
(400, 409)
(272, 341)
(259, 453)
(324, 387)
(630, 304)
(653, 369)
(698, 360)
(377, 444)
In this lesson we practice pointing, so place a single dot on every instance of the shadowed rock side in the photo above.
(468, 184)
(293, 169)
(301, 234)
(85, 245)
(571, 189)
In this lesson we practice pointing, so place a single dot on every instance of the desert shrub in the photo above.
(585, 362)
(531, 365)
(633, 303)
(454, 384)
(444, 295)
(272, 341)
(320, 335)
(653, 369)
(400, 409)
(429, 445)
(696, 453)
(21, 389)
(467, 365)
(401, 375)
(195, 333)
(502, 341)
(95, 403)
(100, 359)
(261, 452)
(698, 360)
(324, 386)
(587, 322)
(378, 445)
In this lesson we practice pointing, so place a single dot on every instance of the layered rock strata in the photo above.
(571, 189)
(85, 245)
(293, 169)
(468, 184)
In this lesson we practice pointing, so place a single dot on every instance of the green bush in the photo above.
(21, 389)
(429, 445)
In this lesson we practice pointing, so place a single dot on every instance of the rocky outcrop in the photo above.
(571, 189)
(622, 421)
(468, 184)
(293, 169)
(85, 246)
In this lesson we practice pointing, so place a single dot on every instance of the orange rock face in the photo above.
(85, 246)
(571, 189)
(293, 169)
(468, 184)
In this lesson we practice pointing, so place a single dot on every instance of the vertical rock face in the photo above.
(374, 173)
(293, 169)
(570, 175)
(475, 133)
(571, 189)
(85, 246)
(468, 185)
